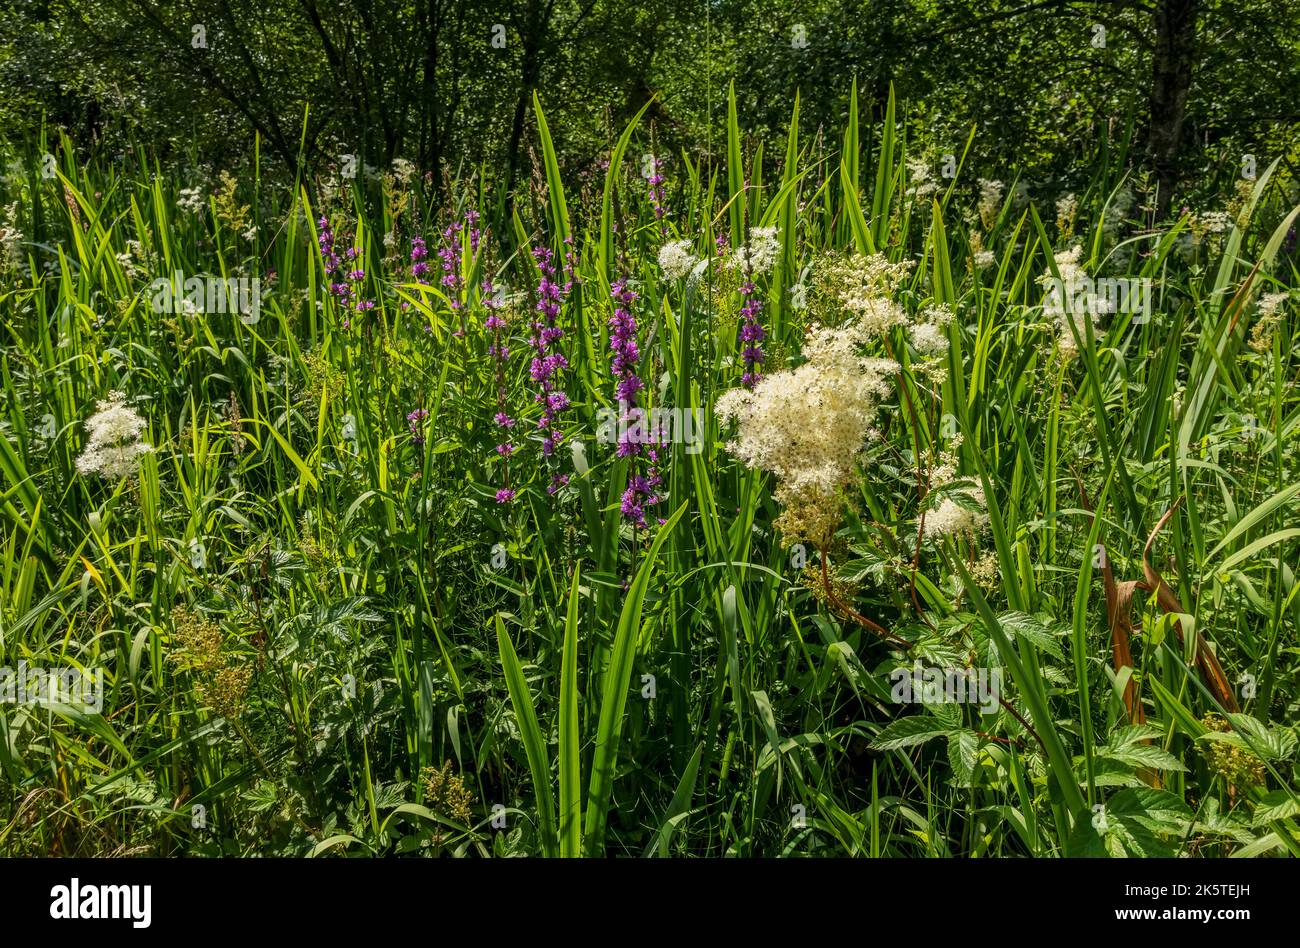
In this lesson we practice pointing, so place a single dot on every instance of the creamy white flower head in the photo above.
(861, 276)
(403, 170)
(1267, 320)
(928, 339)
(1067, 205)
(114, 443)
(990, 200)
(10, 235)
(922, 183)
(939, 314)
(1269, 303)
(875, 314)
(676, 259)
(127, 262)
(808, 426)
(757, 257)
(191, 200)
(1214, 222)
(984, 259)
(1070, 300)
(950, 518)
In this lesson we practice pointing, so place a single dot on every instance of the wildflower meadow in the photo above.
(840, 488)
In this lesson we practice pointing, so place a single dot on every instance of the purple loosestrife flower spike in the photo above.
(413, 420)
(500, 354)
(752, 334)
(626, 356)
(548, 358)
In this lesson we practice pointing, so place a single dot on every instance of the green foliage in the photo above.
(331, 613)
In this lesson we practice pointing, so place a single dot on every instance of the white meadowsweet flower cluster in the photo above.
(129, 259)
(953, 519)
(191, 200)
(864, 286)
(1214, 222)
(11, 236)
(875, 314)
(950, 517)
(990, 200)
(115, 443)
(809, 425)
(928, 339)
(1065, 300)
(1067, 208)
(1268, 317)
(1269, 303)
(758, 256)
(922, 185)
(403, 171)
(676, 259)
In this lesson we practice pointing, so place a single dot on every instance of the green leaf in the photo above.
(534, 746)
(909, 731)
(1128, 746)
(963, 752)
(1032, 629)
(570, 749)
(1277, 805)
(557, 208)
(618, 674)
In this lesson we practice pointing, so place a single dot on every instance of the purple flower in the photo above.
(419, 263)
(624, 363)
(548, 360)
(500, 353)
(413, 420)
(475, 235)
(449, 255)
(752, 334)
(343, 283)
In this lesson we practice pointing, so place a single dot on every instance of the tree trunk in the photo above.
(534, 35)
(1171, 78)
(430, 142)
